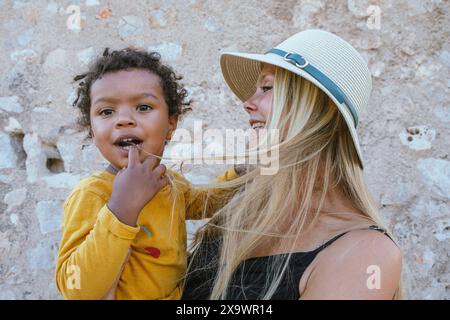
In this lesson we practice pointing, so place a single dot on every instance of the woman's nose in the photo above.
(250, 105)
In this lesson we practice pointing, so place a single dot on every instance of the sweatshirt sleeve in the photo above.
(93, 247)
(199, 200)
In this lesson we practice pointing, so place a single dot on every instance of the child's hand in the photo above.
(135, 185)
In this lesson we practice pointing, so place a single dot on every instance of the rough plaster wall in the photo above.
(404, 136)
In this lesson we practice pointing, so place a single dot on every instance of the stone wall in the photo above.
(405, 136)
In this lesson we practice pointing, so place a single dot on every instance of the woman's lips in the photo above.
(257, 125)
(258, 128)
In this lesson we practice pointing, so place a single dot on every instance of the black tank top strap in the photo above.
(377, 228)
(372, 227)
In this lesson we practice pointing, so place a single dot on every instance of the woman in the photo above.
(312, 230)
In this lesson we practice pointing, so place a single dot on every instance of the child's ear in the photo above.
(93, 137)
(173, 121)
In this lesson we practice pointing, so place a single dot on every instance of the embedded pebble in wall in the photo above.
(8, 157)
(5, 244)
(10, 104)
(442, 230)
(14, 218)
(358, 8)
(52, 8)
(72, 96)
(304, 11)
(161, 19)
(85, 55)
(104, 13)
(212, 26)
(405, 191)
(43, 255)
(419, 7)
(69, 152)
(25, 37)
(6, 179)
(91, 3)
(426, 260)
(57, 59)
(23, 56)
(418, 137)
(36, 157)
(91, 156)
(169, 51)
(428, 208)
(443, 113)
(130, 26)
(15, 198)
(13, 126)
(41, 110)
(436, 175)
(377, 69)
(62, 180)
(20, 4)
(444, 58)
(7, 295)
(428, 70)
(49, 216)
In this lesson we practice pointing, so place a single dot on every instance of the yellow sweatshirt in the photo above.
(95, 244)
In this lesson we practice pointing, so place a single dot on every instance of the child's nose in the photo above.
(125, 120)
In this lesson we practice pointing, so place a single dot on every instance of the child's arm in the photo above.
(93, 247)
(111, 294)
(200, 200)
(97, 236)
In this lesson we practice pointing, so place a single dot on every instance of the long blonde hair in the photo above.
(316, 153)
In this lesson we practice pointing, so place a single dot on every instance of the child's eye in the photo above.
(266, 88)
(144, 107)
(106, 112)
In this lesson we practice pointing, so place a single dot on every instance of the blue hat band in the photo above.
(300, 62)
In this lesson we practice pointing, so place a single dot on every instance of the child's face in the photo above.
(129, 104)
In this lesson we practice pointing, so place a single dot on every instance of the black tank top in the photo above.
(249, 278)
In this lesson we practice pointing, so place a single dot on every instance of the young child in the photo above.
(124, 228)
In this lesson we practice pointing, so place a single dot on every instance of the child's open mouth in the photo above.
(125, 143)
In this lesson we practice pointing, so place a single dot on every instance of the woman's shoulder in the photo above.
(366, 242)
(363, 263)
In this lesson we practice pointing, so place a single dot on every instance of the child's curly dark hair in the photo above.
(129, 58)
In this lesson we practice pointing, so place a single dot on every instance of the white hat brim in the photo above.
(241, 72)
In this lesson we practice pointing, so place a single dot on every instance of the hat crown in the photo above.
(337, 59)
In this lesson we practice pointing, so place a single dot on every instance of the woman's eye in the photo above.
(144, 107)
(106, 112)
(266, 88)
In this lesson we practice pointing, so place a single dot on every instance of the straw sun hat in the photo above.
(321, 57)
